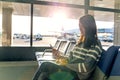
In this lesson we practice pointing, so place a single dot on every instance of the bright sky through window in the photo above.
(47, 25)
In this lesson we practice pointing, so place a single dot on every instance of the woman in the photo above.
(83, 58)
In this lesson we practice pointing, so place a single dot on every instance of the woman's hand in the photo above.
(56, 53)
(62, 61)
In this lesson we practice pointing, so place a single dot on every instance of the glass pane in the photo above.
(54, 23)
(21, 24)
(79, 2)
(105, 26)
(103, 3)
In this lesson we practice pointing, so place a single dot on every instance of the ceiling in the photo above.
(74, 13)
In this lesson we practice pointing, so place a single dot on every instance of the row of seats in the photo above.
(62, 45)
(108, 66)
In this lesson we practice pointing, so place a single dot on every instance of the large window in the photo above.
(55, 19)
(21, 24)
(53, 22)
(21, 30)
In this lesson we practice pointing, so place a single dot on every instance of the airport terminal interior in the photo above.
(30, 28)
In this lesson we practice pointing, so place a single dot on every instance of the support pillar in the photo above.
(117, 24)
(6, 26)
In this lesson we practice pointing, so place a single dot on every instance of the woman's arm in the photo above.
(86, 60)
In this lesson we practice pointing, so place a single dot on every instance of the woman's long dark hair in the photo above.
(90, 27)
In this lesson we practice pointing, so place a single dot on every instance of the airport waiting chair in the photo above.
(105, 64)
(115, 72)
(56, 46)
(60, 45)
(64, 46)
(39, 55)
(69, 48)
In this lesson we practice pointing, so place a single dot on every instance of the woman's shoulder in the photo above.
(97, 48)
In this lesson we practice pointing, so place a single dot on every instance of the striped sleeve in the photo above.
(92, 57)
(84, 60)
